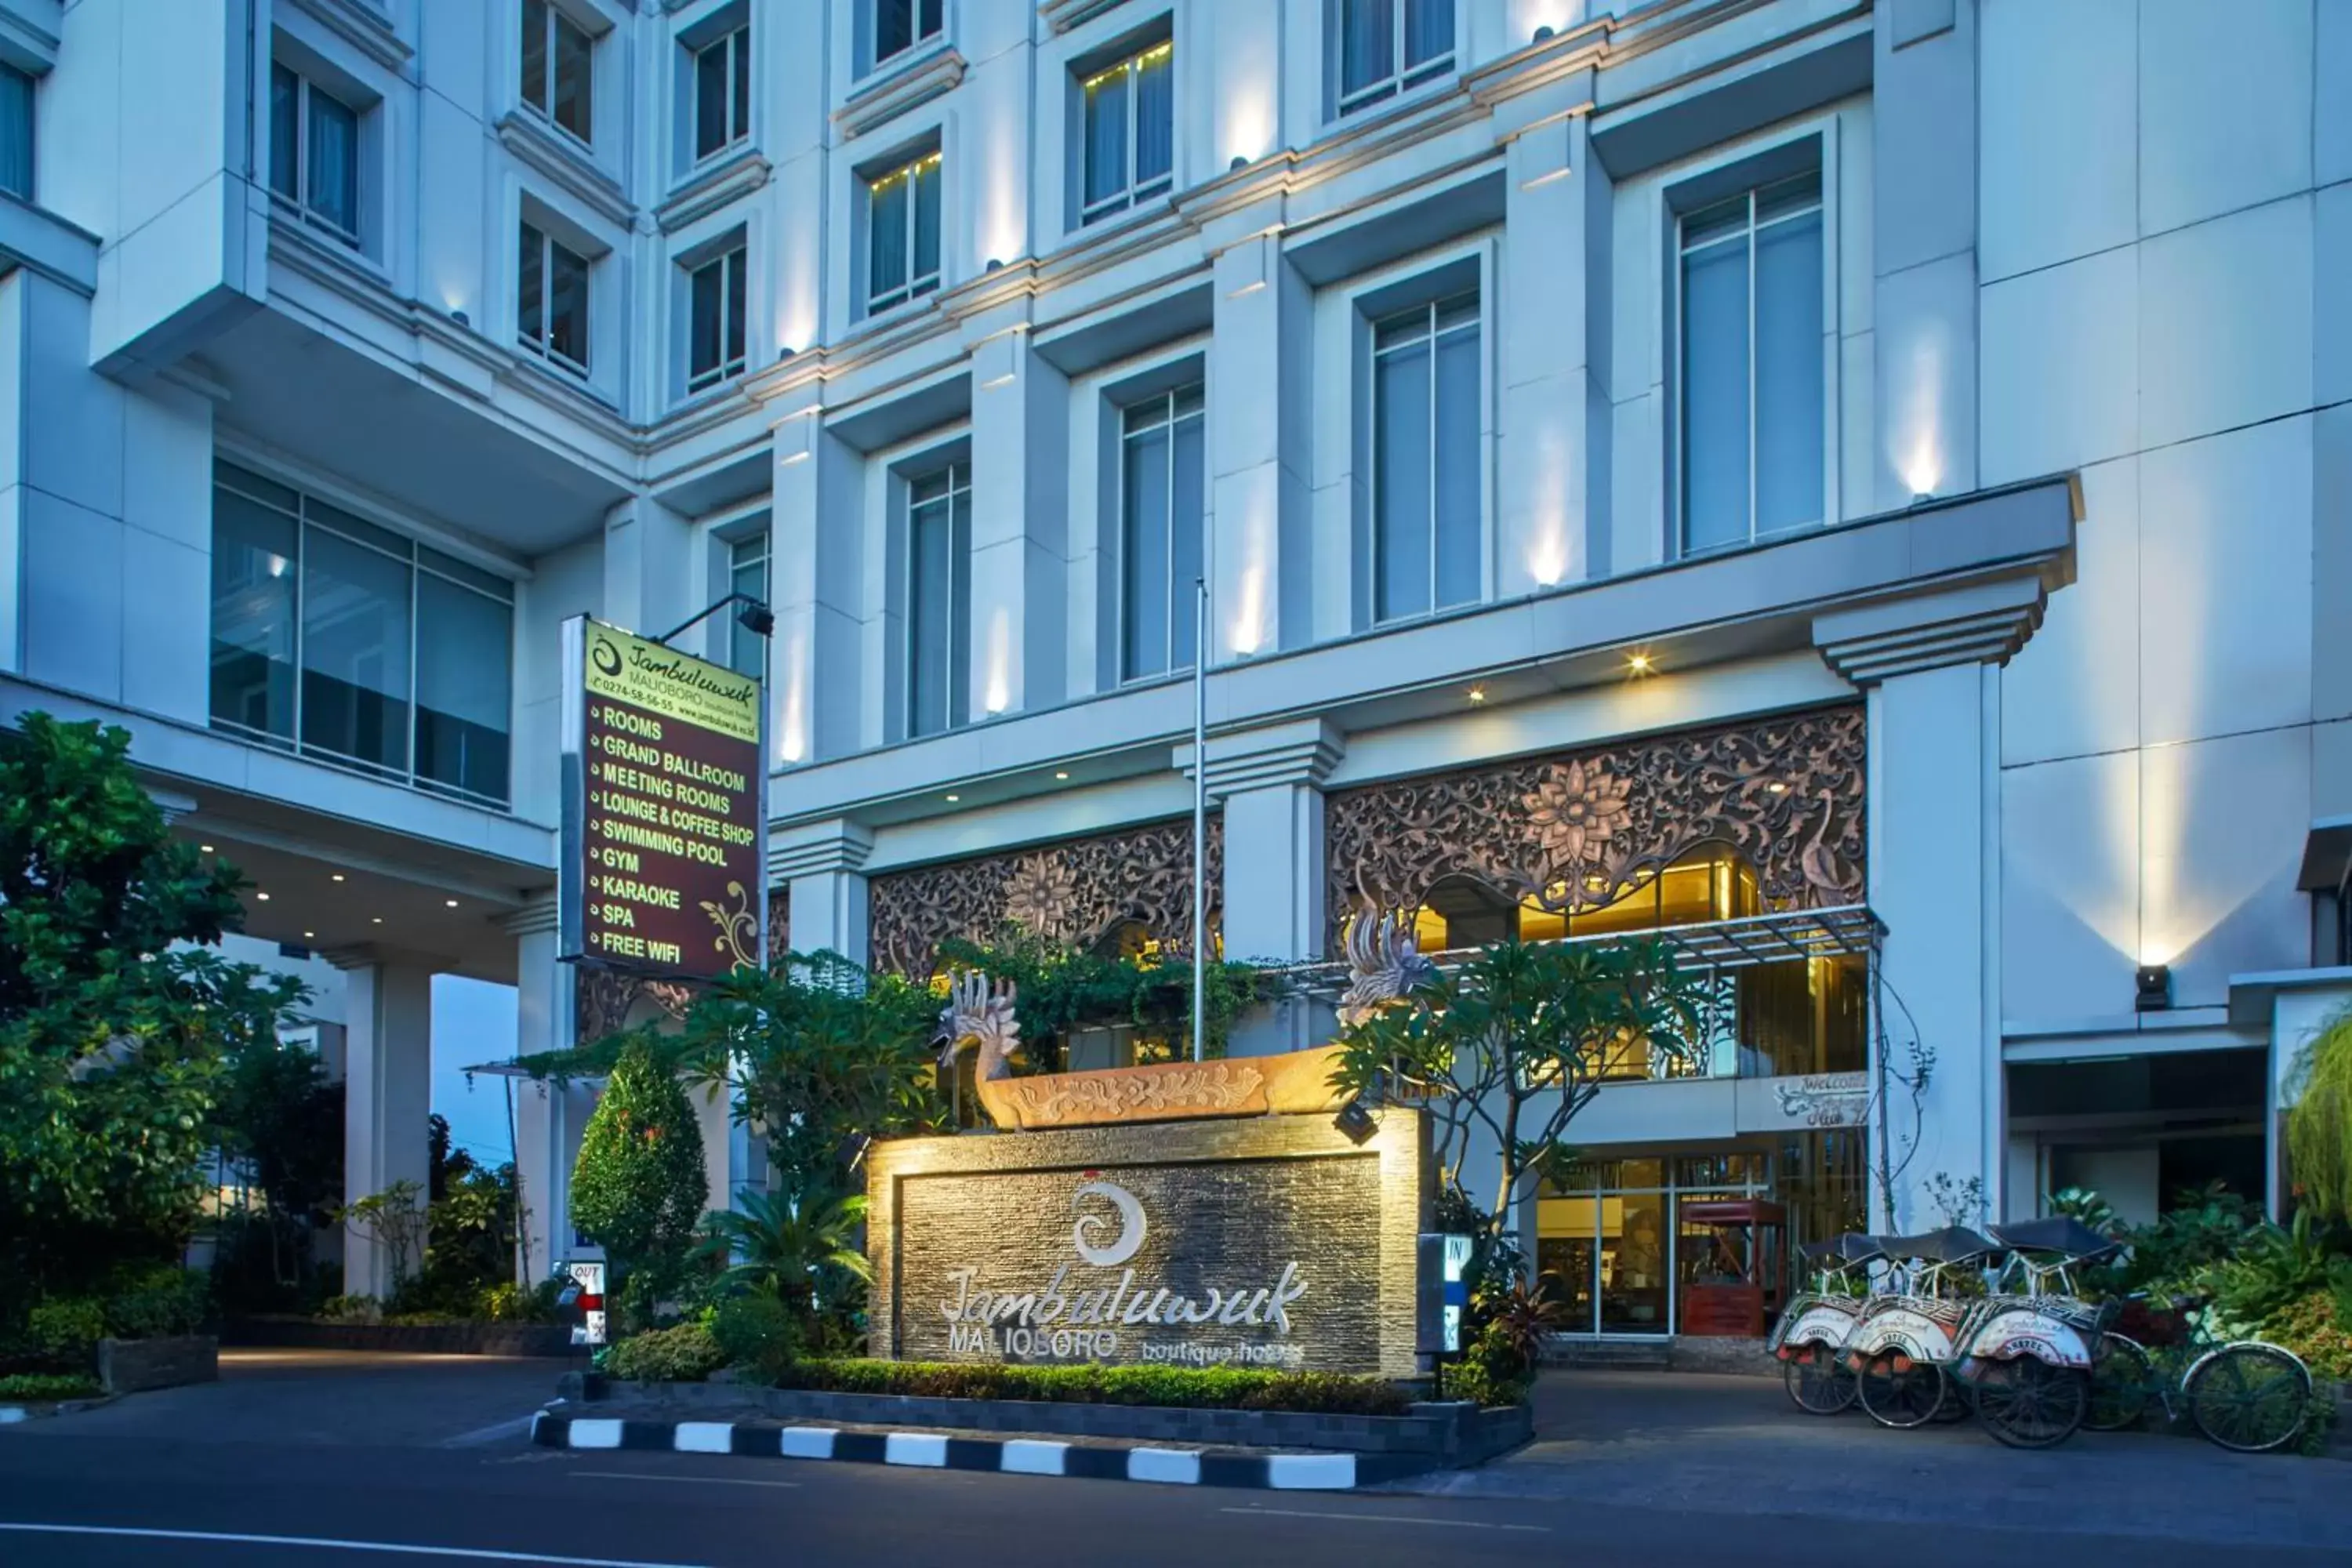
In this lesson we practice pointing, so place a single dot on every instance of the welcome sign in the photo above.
(1268, 1241)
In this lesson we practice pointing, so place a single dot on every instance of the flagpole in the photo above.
(1200, 814)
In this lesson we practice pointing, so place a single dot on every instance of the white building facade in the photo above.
(1875, 478)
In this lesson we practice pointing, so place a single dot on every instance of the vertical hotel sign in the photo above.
(665, 863)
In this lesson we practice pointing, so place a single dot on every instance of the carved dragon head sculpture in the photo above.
(983, 1015)
(1384, 962)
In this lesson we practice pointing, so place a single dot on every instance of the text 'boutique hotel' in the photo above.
(1864, 486)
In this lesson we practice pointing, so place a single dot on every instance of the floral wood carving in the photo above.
(1576, 832)
(1073, 893)
(606, 999)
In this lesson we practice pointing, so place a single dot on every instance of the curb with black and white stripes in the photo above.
(1010, 1456)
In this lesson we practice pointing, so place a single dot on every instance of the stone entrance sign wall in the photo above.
(1267, 1242)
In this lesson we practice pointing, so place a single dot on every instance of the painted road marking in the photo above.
(317, 1542)
(683, 1480)
(1390, 1519)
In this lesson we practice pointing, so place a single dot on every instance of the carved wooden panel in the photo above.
(1072, 892)
(1579, 830)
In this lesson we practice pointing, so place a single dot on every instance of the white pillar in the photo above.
(1260, 457)
(824, 863)
(1020, 488)
(1927, 665)
(546, 1009)
(387, 1097)
(1270, 783)
(650, 581)
(815, 584)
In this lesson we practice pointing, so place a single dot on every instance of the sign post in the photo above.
(664, 863)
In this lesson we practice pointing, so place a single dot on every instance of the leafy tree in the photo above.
(116, 1026)
(639, 1184)
(1505, 1050)
(2319, 1120)
(282, 1119)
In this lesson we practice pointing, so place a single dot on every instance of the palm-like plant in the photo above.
(801, 1246)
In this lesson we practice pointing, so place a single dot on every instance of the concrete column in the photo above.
(546, 1004)
(1269, 783)
(1924, 110)
(815, 577)
(823, 864)
(1020, 508)
(387, 1097)
(1927, 669)
(650, 581)
(1260, 455)
(1552, 348)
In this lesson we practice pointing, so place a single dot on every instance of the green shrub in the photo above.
(1495, 1370)
(511, 1303)
(44, 1386)
(352, 1310)
(67, 1328)
(1210, 1388)
(683, 1353)
(639, 1187)
(158, 1304)
(2312, 1329)
(754, 1329)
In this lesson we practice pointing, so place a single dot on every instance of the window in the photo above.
(336, 639)
(16, 132)
(1130, 132)
(902, 235)
(1389, 46)
(1159, 531)
(722, 93)
(938, 600)
(1752, 375)
(747, 573)
(900, 25)
(558, 57)
(714, 320)
(314, 154)
(1427, 549)
(552, 301)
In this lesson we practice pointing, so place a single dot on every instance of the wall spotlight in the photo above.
(459, 317)
(756, 618)
(1355, 1123)
(1542, 33)
(1477, 694)
(994, 266)
(2154, 985)
(1240, 162)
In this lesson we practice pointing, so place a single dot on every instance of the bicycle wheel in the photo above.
(2248, 1397)
(2122, 1376)
(2028, 1403)
(1900, 1392)
(1818, 1380)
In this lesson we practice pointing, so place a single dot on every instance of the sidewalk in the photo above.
(1691, 1442)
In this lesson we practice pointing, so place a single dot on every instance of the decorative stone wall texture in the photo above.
(1263, 1241)
(1582, 829)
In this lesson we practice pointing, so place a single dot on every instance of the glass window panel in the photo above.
(1428, 32)
(1461, 310)
(285, 132)
(930, 12)
(531, 286)
(1190, 399)
(1399, 328)
(534, 52)
(704, 327)
(739, 121)
(1459, 554)
(1367, 44)
(247, 482)
(926, 224)
(464, 687)
(736, 282)
(1106, 136)
(575, 59)
(253, 577)
(15, 131)
(1144, 553)
(960, 600)
(1186, 505)
(1790, 196)
(894, 28)
(886, 240)
(1715, 395)
(1401, 481)
(355, 651)
(333, 157)
(930, 539)
(474, 577)
(710, 71)
(320, 514)
(1711, 224)
(748, 573)
(1789, 375)
(567, 305)
(1155, 116)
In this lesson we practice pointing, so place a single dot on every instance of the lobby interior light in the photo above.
(263, 896)
(1062, 776)
(308, 934)
(954, 798)
(1477, 694)
(453, 903)
(378, 921)
(1638, 663)
(2152, 984)
(339, 876)
(205, 848)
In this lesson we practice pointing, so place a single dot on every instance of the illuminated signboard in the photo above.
(665, 857)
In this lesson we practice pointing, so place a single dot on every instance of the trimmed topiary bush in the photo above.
(1207, 1388)
(639, 1187)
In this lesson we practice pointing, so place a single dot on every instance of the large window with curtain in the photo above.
(1130, 132)
(551, 300)
(1753, 374)
(16, 132)
(747, 573)
(314, 154)
(902, 234)
(1428, 501)
(1388, 46)
(558, 68)
(938, 600)
(341, 640)
(1162, 482)
(716, 300)
(722, 92)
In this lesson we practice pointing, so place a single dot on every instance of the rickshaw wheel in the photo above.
(1900, 1392)
(1818, 1380)
(2121, 1376)
(2028, 1403)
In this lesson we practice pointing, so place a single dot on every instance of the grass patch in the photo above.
(45, 1387)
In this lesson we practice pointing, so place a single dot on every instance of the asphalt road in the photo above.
(203, 1481)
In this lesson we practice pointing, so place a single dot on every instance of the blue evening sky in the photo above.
(472, 1022)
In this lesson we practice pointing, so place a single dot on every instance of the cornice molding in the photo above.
(1276, 757)
(1984, 623)
(836, 846)
(362, 25)
(541, 149)
(729, 181)
(908, 86)
(1061, 15)
(536, 918)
